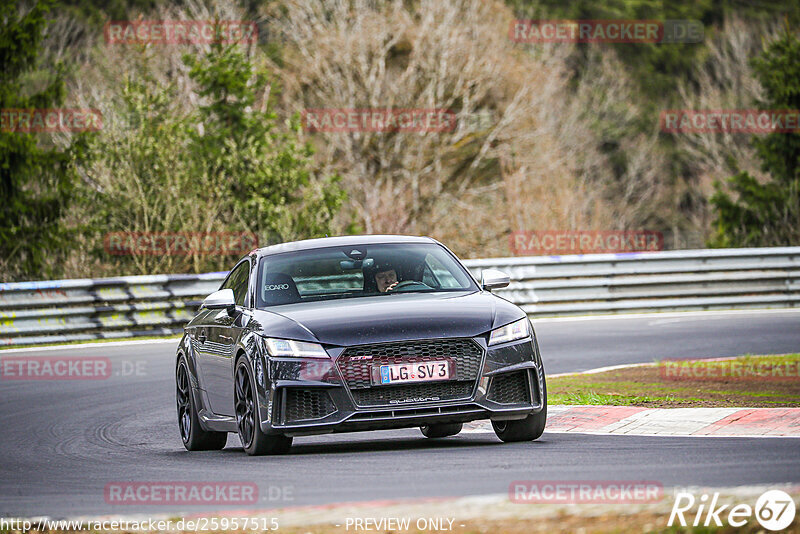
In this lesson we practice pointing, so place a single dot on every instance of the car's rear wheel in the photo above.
(248, 420)
(441, 430)
(193, 436)
(527, 429)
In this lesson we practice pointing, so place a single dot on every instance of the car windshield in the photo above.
(358, 271)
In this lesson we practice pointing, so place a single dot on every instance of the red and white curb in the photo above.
(638, 421)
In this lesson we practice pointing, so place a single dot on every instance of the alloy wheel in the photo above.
(245, 406)
(184, 403)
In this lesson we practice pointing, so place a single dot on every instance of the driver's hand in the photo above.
(389, 288)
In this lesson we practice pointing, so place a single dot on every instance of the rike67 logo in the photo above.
(774, 510)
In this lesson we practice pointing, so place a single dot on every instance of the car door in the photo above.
(223, 332)
(198, 330)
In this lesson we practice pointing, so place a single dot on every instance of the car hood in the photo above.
(385, 318)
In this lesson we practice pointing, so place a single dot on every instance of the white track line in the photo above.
(99, 344)
(644, 364)
(687, 314)
(659, 315)
(638, 434)
(604, 369)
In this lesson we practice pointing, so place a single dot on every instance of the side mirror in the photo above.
(494, 279)
(220, 300)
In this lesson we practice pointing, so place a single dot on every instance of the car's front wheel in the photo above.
(527, 429)
(193, 436)
(441, 430)
(248, 420)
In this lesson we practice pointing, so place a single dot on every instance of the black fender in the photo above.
(250, 347)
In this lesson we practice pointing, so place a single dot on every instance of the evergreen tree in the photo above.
(36, 179)
(767, 214)
(266, 171)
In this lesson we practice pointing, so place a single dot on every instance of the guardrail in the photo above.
(76, 310)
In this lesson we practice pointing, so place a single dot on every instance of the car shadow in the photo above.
(388, 444)
(325, 445)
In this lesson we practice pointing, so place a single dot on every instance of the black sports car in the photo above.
(356, 333)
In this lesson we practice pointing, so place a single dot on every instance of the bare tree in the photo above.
(725, 80)
(536, 165)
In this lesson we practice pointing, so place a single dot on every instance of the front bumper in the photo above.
(306, 397)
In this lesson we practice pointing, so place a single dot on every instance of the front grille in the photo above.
(302, 404)
(356, 363)
(510, 388)
(430, 391)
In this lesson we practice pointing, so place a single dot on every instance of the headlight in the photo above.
(510, 332)
(294, 349)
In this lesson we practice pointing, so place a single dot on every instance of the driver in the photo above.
(386, 278)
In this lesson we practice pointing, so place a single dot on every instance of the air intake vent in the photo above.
(510, 388)
(304, 404)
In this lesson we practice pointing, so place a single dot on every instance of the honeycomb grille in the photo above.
(511, 388)
(432, 391)
(302, 404)
(356, 371)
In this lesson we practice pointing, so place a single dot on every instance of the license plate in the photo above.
(415, 372)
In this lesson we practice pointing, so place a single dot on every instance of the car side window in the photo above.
(240, 290)
(238, 282)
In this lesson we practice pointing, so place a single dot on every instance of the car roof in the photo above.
(343, 241)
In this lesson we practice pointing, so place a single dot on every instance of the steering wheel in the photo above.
(408, 284)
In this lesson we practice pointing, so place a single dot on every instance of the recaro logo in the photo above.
(276, 287)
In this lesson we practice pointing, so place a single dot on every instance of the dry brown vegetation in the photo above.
(528, 152)
(725, 80)
(536, 165)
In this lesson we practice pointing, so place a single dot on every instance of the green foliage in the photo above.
(138, 179)
(657, 66)
(225, 165)
(36, 180)
(265, 170)
(767, 214)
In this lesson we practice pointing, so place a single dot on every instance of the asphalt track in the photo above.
(63, 441)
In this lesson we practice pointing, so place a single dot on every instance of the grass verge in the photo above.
(747, 381)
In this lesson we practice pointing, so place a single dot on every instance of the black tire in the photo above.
(441, 430)
(248, 420)
(192, 434)
(527, 429)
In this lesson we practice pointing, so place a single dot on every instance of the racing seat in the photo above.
(279, 288)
